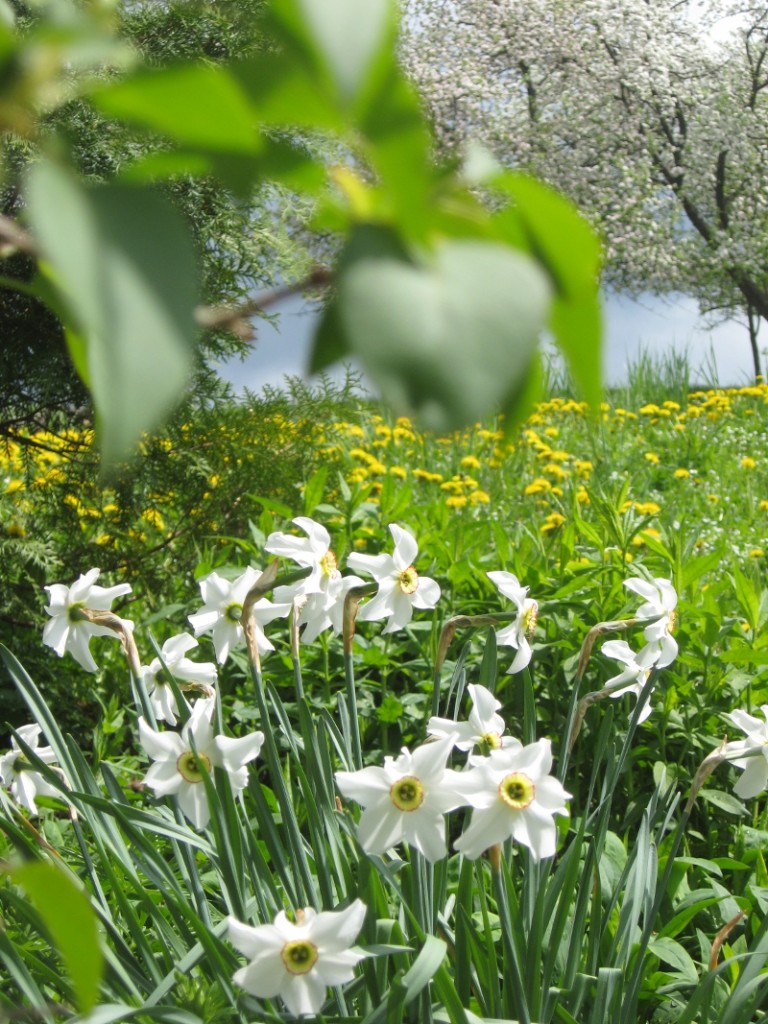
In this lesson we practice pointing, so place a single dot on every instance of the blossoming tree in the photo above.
(652, 117)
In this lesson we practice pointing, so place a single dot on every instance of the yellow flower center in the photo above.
(672, 621)
(517, 791)
(489, 741)
(188, 766)
(407, 794)
(408, 580)
(75, 613)
(329, 565)
(530, 618)
(299, 956)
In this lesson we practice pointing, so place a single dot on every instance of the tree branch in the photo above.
(236, 320)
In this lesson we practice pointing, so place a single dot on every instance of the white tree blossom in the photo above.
(651, 116)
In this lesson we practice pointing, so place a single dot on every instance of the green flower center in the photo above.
(407, 794)
(234, 612)
(299, 956)
(489, 741)
(517, 791)
(188, 766)
(75, 612)
(329, 565)
(408, 580)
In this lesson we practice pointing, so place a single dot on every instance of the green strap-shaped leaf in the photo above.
(123, 262)
(71, 923)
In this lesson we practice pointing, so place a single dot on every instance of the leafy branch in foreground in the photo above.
(441, 297)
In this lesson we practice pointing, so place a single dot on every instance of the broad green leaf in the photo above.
(723, 801)
(676, 956)
(560, 238)
(346, 35)
(71, 922)
(195, 104)
(123, 262)
(284, 91)
(446, 339)
(398, 146)
(330, 344)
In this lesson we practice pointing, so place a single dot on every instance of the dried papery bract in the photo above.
(124, 631)
(351, 605)
(264, 584)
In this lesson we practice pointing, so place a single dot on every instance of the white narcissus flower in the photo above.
(513, 794)
(755, 765)
(638, 668)
(176, 769)
(17, 776)
(660, 599)
(518, 632)
(223, 608)
(311, 552)
(68, 629)
(297, 961)
(401, 589)
(325, 609)
(160, 694)
(406, 799)
(484, 728)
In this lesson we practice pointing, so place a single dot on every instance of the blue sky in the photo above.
(631, 326)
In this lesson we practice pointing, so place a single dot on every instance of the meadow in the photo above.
(622, 879)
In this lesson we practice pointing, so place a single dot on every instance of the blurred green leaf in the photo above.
(195, 104)
(449, 337)
(123, 262)
(349, 35)
(560, 238)
(71, 922)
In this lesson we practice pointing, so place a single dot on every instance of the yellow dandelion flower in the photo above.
(647, 508)
(470, 462)
(582, 496)
(652, 457)
(552, 522)
(713, 499)
(480, 498)
(584, 468)
(748, 462)
(538, 486)
(650, 410)
(398, 471)
(763, 506)
(456, 501)
(552, 432)
(681, 473)
(756, 553)
(554, 469)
